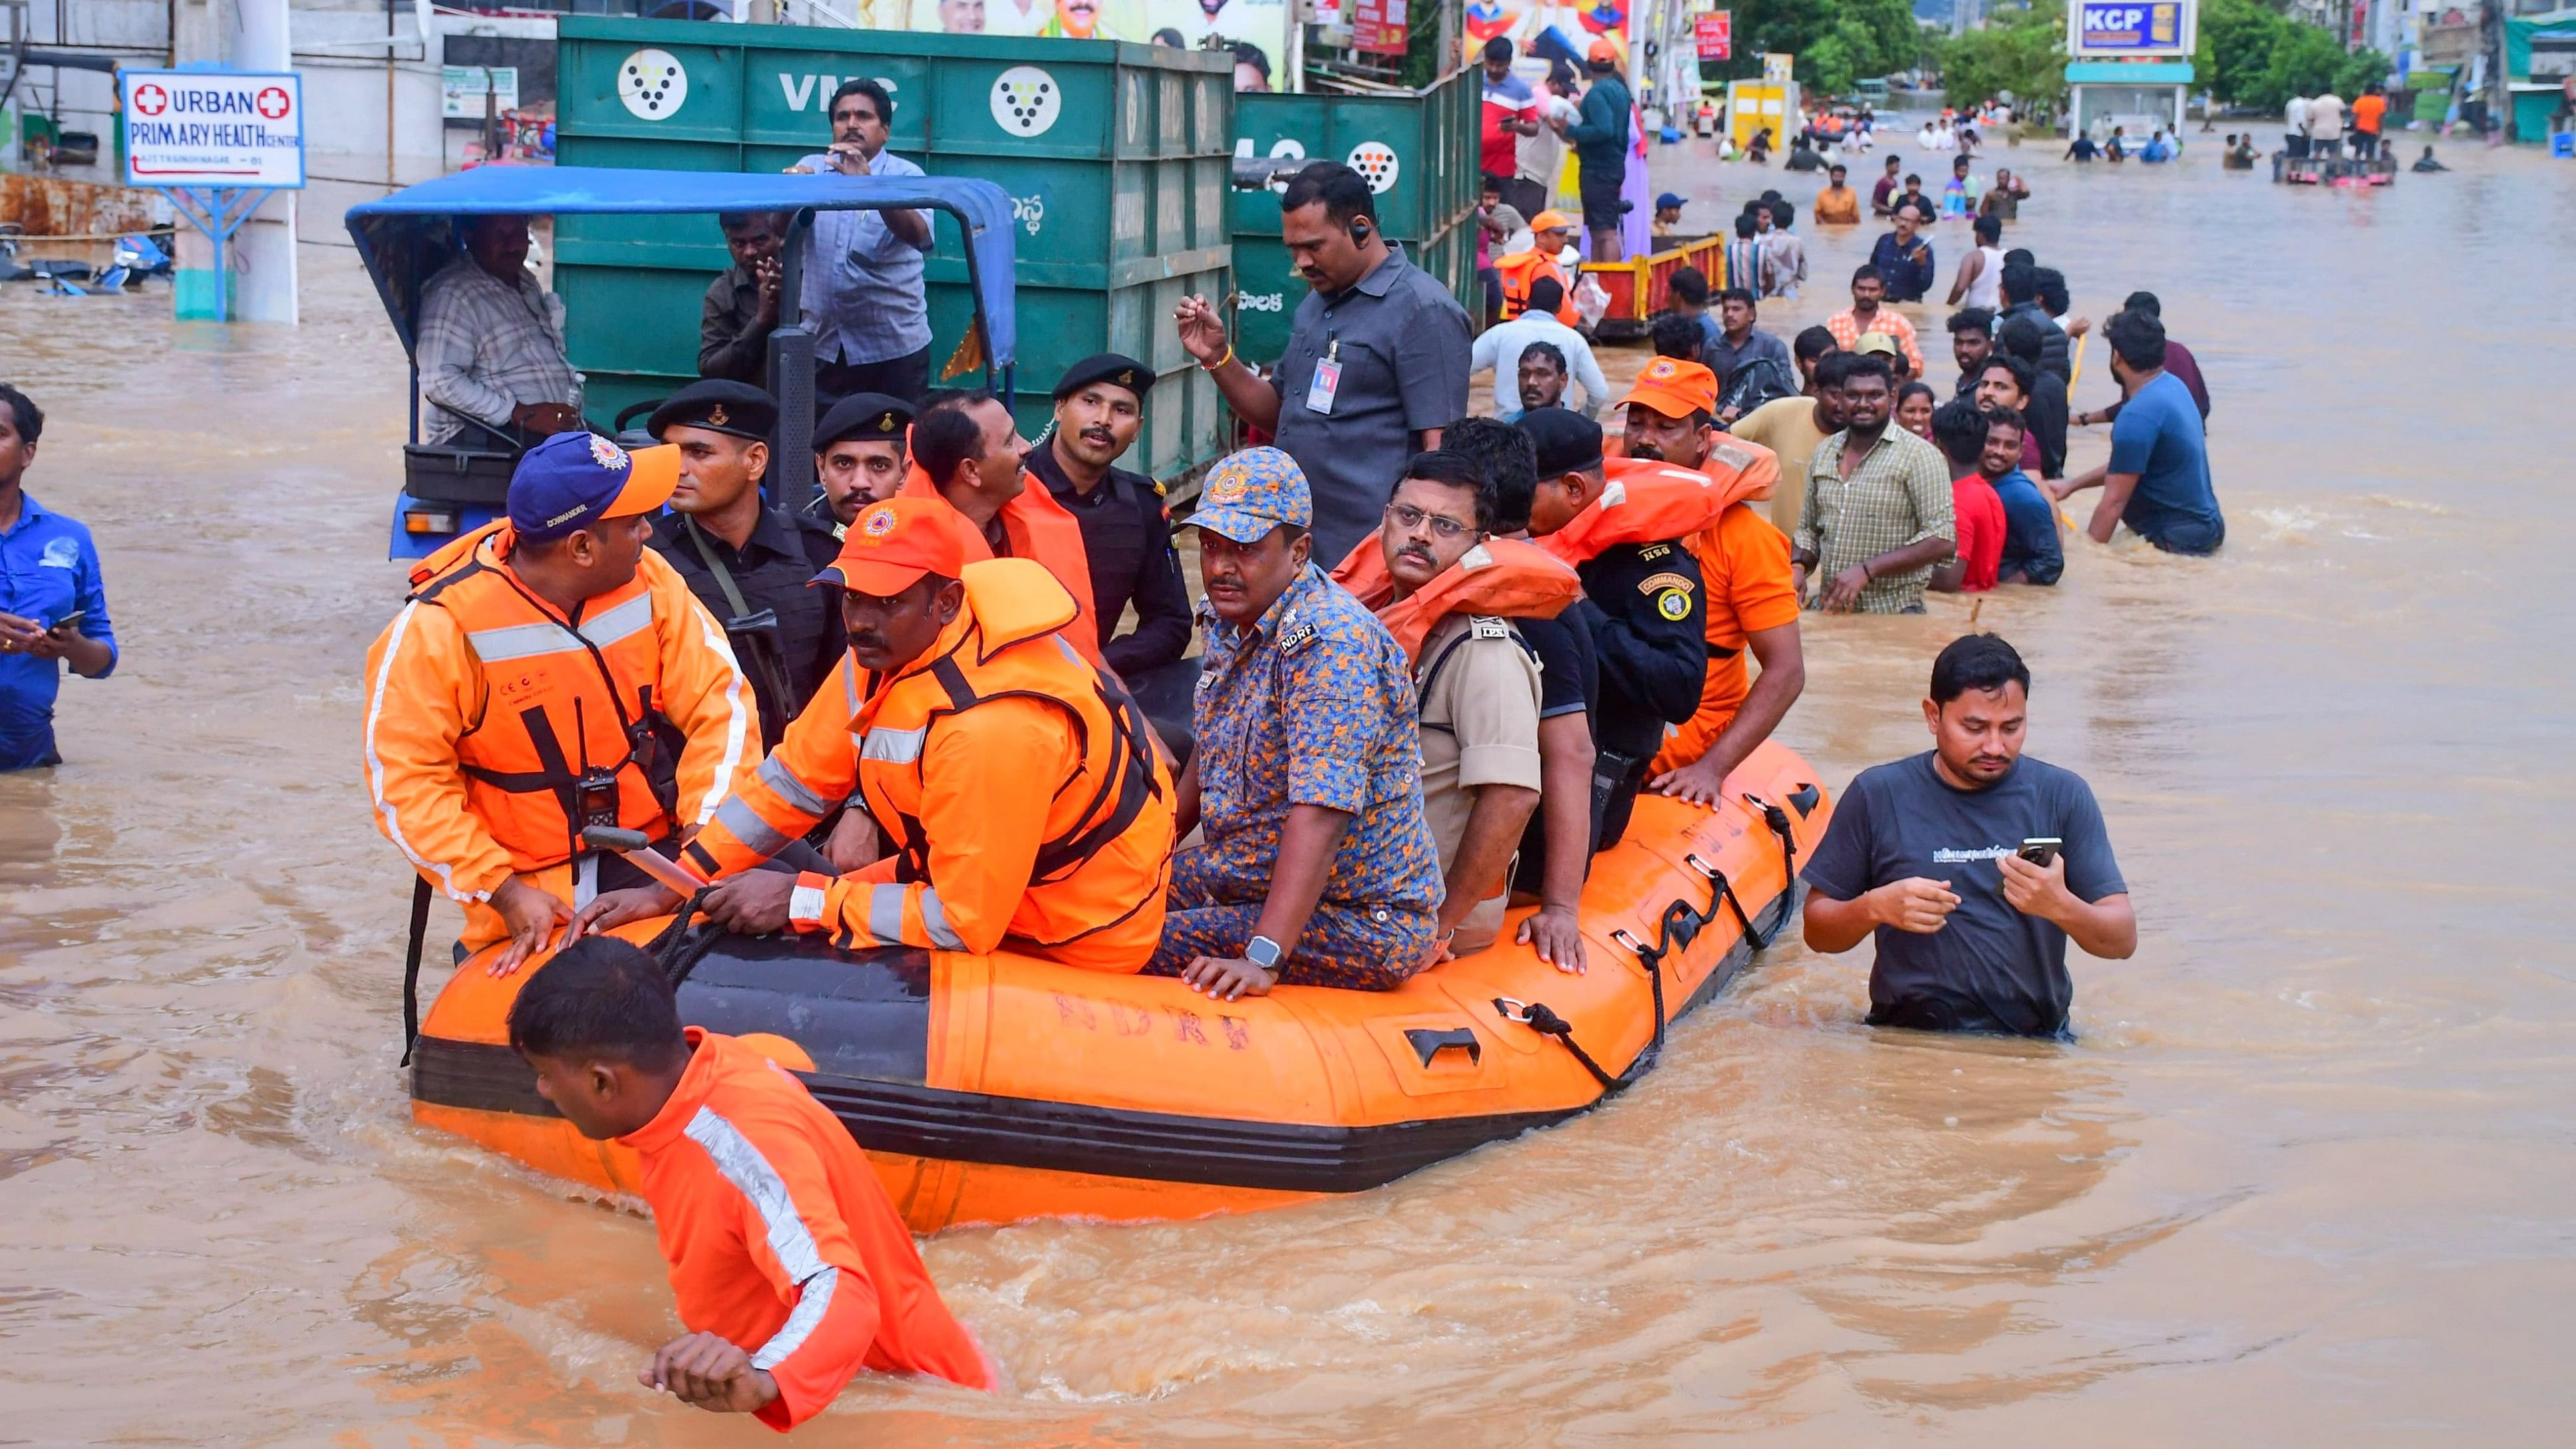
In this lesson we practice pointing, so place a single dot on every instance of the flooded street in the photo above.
(2303, 1179)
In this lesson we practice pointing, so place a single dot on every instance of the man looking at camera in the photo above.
(863, 282)
(1971, 865)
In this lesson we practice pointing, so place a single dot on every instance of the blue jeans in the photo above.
(2191, 538)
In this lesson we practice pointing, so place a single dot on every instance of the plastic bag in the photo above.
(1591, 302)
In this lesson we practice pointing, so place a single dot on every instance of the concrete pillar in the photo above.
(247, 35)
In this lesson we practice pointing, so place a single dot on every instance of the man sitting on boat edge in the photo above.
(959, 690)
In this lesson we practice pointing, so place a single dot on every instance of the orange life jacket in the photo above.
(1521, 271)
(1010, 647)
(1501, 578)
(1036, 527)
(571, 733)
(1650, 502)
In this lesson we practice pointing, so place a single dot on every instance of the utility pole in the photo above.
(243, 35)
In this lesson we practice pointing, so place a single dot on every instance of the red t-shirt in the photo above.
(1979, 511)
(1511, 101)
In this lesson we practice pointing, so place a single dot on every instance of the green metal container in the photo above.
(1115, 156)
(1420, 155)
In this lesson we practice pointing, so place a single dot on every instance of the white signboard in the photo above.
(461, 89)
(213, 128)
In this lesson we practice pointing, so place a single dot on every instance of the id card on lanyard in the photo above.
(1326, 381)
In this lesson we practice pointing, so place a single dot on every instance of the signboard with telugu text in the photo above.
(2132, 28)
(213, 128)
(1715, 32)
(1378, 26)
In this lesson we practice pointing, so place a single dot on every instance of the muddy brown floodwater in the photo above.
(2303, 1179)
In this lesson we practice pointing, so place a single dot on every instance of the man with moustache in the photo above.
(859, 457)
(747, 562)
(1126, 530)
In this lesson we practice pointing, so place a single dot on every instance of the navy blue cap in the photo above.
(574, 480)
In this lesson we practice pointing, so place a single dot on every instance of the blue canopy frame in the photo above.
(405, 238)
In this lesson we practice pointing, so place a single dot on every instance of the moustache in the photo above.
(1415, 551)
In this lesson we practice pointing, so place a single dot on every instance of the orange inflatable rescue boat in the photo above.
(993, 1089)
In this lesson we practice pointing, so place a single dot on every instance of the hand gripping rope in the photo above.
(1679, 927)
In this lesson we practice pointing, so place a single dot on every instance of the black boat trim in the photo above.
(973, 1127)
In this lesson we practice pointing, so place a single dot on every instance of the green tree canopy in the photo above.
(1836, 41)
(2022, 49)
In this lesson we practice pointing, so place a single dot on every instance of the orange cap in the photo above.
(1674, 388)
(1551, 220)
(890, 546)
(1603, 50)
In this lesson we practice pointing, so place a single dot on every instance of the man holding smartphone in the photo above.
(1972, 866)
(863, 274)
(53, 603)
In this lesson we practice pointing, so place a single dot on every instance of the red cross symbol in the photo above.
(150, 99)
(272, 102)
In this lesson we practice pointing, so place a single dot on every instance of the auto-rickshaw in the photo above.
(405, 239)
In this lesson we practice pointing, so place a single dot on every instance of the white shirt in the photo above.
(2296, 114)
(1500, 349)
(2325, 117)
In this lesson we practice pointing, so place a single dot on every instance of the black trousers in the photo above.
(906, 377)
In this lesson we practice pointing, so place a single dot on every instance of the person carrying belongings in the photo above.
(549, 672)
(1019, 785)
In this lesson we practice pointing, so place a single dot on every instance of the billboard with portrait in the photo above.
(1188, 24)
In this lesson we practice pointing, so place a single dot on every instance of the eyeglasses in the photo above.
(1408, 516)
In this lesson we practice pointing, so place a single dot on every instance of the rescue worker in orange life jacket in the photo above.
(1018, 783)
(859, 451)
(747, 562)
(1521, 270)
(967, 452)
(550, 672)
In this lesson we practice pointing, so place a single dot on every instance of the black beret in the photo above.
(1568, 442)
(718, 406)
(863, 417)
(1107, 367)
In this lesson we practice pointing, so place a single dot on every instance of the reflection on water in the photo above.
(2305, 1167)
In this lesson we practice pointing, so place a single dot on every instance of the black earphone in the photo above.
(1359, 231)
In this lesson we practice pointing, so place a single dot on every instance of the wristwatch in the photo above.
(1263, 952)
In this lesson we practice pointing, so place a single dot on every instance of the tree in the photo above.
(2254, 55)
(1836, 41)
(2021, 50)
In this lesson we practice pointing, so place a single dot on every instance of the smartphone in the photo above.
(66, 621)
(2039, 850)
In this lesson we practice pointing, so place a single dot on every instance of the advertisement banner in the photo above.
(2148, 28)
(213, 128)
(461, 89)
(1239, 25)
(1716, 35)
(1378, 26)
(1542, 34)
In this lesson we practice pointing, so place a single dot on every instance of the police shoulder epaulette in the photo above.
(1487, 627)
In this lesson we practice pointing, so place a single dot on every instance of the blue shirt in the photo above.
(1907, 280)
(2030, 530)
(863, 284)
(2159, 437)
(1313, 705)
(48, 570)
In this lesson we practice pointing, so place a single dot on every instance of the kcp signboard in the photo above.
(2145, 28)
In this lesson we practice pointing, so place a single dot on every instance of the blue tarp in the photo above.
(401, 252)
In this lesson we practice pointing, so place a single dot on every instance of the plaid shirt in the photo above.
(863, 284)
(487, 346)
(1847, 332)
(1900, 494)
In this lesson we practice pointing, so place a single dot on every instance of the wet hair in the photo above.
(1548, 350)
(2022, 339)
(2004, 417)
(1498, 48)
(2137, 337)
(1678, 336)
(28, 418)
(1868, 273)
(2024, 376)
(1740, 294)
(1971, 319)
(2052, 290)
(1861, 364)
(1990, 228)
(2144, 302)
(1958, 429)
(1508, 456)
(2020, 282)
(1546, 295)
(946, 434)
(600, 999)
(875, 91)
(1452, 468)
(1814, 342)
(2022, 257)
(1977, 661)
(1344, 194)
(1691, 285)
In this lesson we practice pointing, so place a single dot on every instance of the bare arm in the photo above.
(2116, 488)
(1307, 841)
(1917, 904)
(1203, 336)
(1970, 264)
(1783, 678)
(1565, 756)
(2106, 928)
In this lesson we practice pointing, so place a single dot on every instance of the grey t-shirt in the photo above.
(1402, 344)
(1989, 967)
